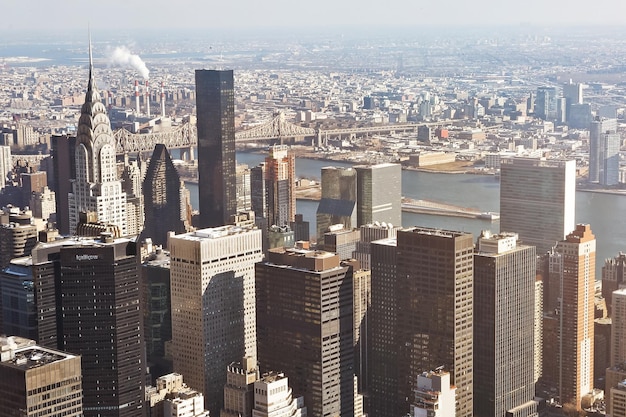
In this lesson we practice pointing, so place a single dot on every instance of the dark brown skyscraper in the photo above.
(305, 326)
(215, 107)
(162, 202)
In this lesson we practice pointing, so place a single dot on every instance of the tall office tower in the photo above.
(341, 241)
(304, 326)
(37, 381)
(575, 267)
(162, 198)
(300, 228)
(573, 92)
(434, 396)
(258, 191)
(362, 300)
(435, 310)
(382, 317)
(239, 389)
(155, 307)
(131, 184)
(273, 397)
(213, 304)
(280, 177)
(18, 236)
(338, 202)
(616, 373)
(215, 107)
(96, 188)
(379, 194)
(604, 143)
(538, 328)
(18, 315)
(244, 195)
(545, 103)
(616, 405)
(504, 311)
(370, 233)
(537, 200)
(6, 165)
(99, 288)
(618, 331)
(613, 278)
(62, 151)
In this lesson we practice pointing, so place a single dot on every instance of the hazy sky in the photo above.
(236, 14)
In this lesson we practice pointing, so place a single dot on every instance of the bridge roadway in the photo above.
(185, 135)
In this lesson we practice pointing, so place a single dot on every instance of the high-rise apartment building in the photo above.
(96, 188)
(338, 202)
(305, 326)
(215, 107)
(573, 261)
(435, 309)
(604, 144)
(213, 304)
(163, 206)
(546, 103)
(537, 200)
(280, 172)
(504, 311)
(379, 194)
(38, 381)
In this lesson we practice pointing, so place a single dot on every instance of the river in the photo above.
(603, 212)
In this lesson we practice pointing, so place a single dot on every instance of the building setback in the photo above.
(305, 326)
(217, 182)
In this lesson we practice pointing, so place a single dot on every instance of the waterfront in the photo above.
(603, 211)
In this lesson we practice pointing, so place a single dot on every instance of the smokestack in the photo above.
(162, 100)
(147, 99)
(137, 96)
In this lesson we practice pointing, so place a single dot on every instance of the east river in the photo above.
(604, 212)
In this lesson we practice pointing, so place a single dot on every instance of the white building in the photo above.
(6, 164)
(434, 396)
(273, 398)
(186, 404)
(97, 188)
(213, 304)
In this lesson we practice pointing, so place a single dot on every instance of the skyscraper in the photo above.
(87, 295)
(239, 388)
(382, 317)
(338, 202)
(215, 107)
(379, 194)
(6, 164)
(96, 188)
(213, 304)
(435, 308)
(504, 307)
(280, 169)
(573, 261)
(604, 144)
(162, 198)
(613, 278)
(618, 330)
(62, 150)
(18, 313)
(537, 200)
(545, 103)
(304, 312)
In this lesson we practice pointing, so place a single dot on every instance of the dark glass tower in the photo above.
(162, 202)
(215, 107)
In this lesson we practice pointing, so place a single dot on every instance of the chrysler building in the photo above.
(97, 192)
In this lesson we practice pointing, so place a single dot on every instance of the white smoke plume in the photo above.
(122, 57)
